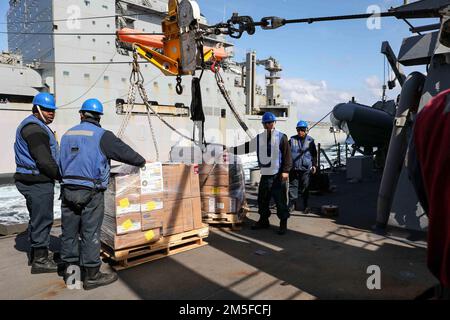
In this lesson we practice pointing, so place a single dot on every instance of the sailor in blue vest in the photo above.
(275, 162)
(304, 157)
(86, 151)
(37, 152)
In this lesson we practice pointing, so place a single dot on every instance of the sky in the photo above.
(324, 63)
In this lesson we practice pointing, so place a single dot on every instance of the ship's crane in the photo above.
(178, 52)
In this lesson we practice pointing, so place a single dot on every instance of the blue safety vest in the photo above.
(25, 164)
(301, 154)
(82, 160)
(269, 155)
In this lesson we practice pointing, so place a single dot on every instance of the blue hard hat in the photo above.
(92, 105)
(268, 117)
(302, 124)
(45, 100)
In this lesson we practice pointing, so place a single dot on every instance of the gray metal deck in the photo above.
(319, 258)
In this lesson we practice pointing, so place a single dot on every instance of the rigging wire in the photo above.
(85, 18)
(80, 34)
(318, 122)
(122, 96)
(85, 63)
(92, 86)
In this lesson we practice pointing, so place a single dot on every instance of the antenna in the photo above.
(224, 10)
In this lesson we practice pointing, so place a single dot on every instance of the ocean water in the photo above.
(13, 208)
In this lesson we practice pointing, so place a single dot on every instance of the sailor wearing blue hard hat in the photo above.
(86, 152)
(304, 155)
(37, 155)
(275, 161)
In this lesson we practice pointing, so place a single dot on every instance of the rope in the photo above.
(221, 85)
(91, 87)
(137, 81)
(155, 142)
(313, 126)
(143, 94)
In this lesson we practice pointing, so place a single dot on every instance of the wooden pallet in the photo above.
(223, 219)
(165, 247)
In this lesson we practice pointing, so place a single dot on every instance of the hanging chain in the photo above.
(134, 79)
(136, 82)
(155, 142)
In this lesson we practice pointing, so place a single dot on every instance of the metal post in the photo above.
(346, 152)
(339, 154)
(318, 158)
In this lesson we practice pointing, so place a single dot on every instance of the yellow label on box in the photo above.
(127, 225)
(124, 203)
(151, 206)
(216, 190)
(149, 235)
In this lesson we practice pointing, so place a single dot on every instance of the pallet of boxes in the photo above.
(222, 187)
(151, 213)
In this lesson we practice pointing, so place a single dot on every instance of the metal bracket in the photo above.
(270, 23)
(401, 121)
(244, 24)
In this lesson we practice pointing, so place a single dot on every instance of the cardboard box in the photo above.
(219, 180)
(123, 224)
(128, 223)
(117, 242)
(173, 218)
(181, 216)
(152, 202)
(180, 182)
(127, 203)
(123, 195)
(215, 191)
(197, 212)
(153, 219)
(214, 169)
(151, 178)
(219, 204)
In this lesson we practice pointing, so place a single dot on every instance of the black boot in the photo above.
(93, 278)
(42, 263)
(283, 227)
(291, 207)
(306, 209)
(261, 224)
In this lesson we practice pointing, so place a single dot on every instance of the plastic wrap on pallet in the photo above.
(123, 193)
(130, 240)
(223, 186)
(165, 196)
(122, 201)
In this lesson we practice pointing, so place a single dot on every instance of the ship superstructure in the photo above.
(77, 58)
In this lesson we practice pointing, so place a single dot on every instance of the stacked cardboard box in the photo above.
(142, 205)
(222, 188)
(177, 204)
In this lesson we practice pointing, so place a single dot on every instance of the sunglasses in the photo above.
(301, 129)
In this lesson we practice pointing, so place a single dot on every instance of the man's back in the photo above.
(432, 142)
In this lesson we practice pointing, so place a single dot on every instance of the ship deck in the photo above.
(319, 258)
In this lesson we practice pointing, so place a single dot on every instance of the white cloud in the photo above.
(374, 86)
(312, 99)
(375, 91)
